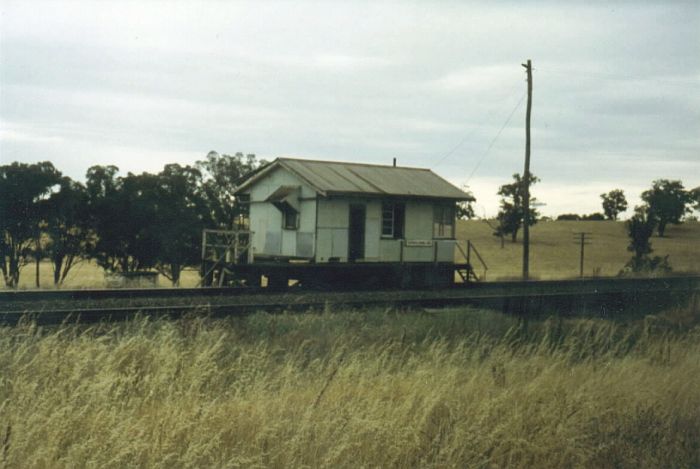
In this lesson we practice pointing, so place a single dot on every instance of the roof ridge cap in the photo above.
(371, 165)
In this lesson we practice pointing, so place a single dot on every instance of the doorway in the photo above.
(356, 233)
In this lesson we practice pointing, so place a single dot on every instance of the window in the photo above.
(286, 200)
(393, 217)
(444, 221)
(290, 218)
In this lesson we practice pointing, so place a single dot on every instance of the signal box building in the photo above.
(324, 224)
(331, 212)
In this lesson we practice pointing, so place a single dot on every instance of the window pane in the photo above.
(443, 221)
(399, 217)
(387, 219)
(437, 221)
(290, 219)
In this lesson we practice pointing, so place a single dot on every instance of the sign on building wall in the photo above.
(419, 243)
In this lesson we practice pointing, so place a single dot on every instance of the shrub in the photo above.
(569, 217)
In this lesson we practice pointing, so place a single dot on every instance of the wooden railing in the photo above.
(468, 257)
(221, 248)
(229, 246)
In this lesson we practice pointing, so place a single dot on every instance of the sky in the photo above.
(616, 88)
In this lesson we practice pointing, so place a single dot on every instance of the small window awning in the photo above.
(285, 198)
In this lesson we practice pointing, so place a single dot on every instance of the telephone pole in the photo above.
(582, 238)
(526, 176)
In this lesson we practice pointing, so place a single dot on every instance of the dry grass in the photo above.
(554, 254)
(87, 274)
(461, 388)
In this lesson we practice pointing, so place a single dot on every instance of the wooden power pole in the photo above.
(583, 238)
(526, 176)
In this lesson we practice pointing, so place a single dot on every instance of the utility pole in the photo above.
(582, 238)
(526, 176)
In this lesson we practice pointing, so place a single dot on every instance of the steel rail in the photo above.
(9, 296)
(523, 299)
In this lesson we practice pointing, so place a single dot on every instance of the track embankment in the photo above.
(606, 297)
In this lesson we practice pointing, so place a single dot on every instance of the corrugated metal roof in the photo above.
(330, 177)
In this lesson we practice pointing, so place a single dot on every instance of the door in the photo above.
(356, 233)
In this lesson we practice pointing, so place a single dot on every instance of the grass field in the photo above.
(553, 253)
(457, 388)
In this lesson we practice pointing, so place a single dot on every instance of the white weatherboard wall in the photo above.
(333, 226)
(418, 235)
(418, 245)
(266, 220)
(332, 229)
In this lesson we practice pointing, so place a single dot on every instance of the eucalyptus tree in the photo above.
(512, 212)
(614, 203)
(22, 188)
(122, 213)
(221, 175)
(67, 224)
(181, 215)
(667, 202)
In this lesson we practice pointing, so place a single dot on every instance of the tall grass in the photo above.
(461, 388)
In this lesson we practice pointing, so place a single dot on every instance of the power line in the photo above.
(510, 116)
(464, 139)
(454, 149)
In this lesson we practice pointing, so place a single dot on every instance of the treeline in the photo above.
(576, 217)
(667, 202)
(124, 223)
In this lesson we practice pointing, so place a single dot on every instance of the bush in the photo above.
(569, 217)
(656, 265)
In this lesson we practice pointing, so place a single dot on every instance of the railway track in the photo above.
(604, 297)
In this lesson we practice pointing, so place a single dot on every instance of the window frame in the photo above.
(290, 212)
(393, 207)
(444, 215)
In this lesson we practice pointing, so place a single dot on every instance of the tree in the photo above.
(147, 220)
(667, 203)
(465, 208)
(22, 187)
(614, 203)
(695, 196)
(221, 176)
(569, 217)
(639, 229)
(182, 214)
(122, 213)
(105, 215)
(511, 215)
(67, 225)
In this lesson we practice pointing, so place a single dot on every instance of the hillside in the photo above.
(554, 254)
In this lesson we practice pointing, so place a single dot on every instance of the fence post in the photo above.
(235, 246)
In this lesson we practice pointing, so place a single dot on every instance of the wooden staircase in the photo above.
(466, 271)
(221, 251)
(467, 274)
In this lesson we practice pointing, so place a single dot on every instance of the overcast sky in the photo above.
(616, 88)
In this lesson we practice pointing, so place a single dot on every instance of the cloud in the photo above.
(616, 97)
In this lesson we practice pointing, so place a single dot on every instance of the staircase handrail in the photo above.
(478, 255)
(467, 256)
